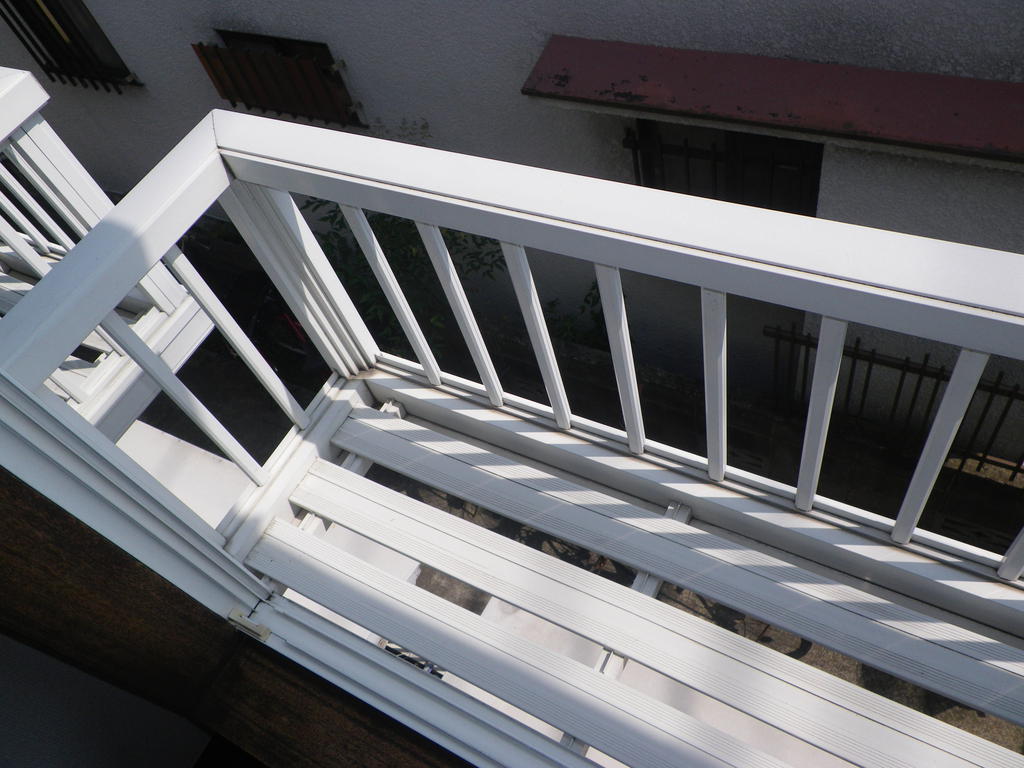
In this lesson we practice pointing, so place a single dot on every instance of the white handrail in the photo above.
(961, 294)
(22, 97)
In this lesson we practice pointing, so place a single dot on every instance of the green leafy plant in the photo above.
(583, 325)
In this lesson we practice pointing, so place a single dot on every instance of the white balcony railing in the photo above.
(252, 167)
(47, 203)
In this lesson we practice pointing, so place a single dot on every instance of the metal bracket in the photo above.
(395, 409)
(679, 511)
(244, 624)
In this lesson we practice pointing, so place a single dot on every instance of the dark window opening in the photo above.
(66, 42)
(764, 171)
(278, 75)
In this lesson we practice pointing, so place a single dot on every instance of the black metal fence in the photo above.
(901, 412)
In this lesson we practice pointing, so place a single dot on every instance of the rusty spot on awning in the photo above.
(938, 111)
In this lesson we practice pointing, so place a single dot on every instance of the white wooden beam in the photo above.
(286, 248)
(57, 452)
(452, 718)
(38, 169)
(452, 286)
(712, 307)
(22, 96)
(973, 594)
(363, 232)
(236, 337)
(159, 371)
(246, 521)
(827, 359)
(609, 715)
(56, 174)
(1012, 564)
(23, 254)
(56, 232)
(537, 329)
(613, 303)
(20, 220)
(767, 255)
(955, 400)
(838, 717)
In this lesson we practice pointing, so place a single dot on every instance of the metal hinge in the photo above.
(244, 624)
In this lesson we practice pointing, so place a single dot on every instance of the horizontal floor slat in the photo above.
(689, 557)
(570, 695)
(856, 725)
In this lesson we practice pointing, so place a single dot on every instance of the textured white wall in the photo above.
(448, 74)
(947, 200)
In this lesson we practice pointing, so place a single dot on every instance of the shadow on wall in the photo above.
(54, 714)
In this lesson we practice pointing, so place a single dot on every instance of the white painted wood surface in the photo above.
(456, 295)
(827, 359)
(208, 484)
(574, 698)
(100, 485)
(537, 329)
(182, 396)
(944, 291)
(969, 367)
(613, 304)
(862, 550)
(834, 269)
(56, 233)
(838, 717)
(63, 182)
(282, 242)
(22, 222)
(21, 96)
(20, 253)
(712, 308)
(469, 728)
(378, 262)
(809, 605)
(112, 258)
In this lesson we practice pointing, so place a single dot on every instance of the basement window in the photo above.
(67, 43)
(737, 167)
(278, 75)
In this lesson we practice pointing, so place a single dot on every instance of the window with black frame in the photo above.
(67, 43)
(734, 166)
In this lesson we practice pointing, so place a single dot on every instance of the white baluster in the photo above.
(712, 307)
(827, 359)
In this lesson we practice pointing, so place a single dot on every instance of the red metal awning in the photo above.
(960, 114)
